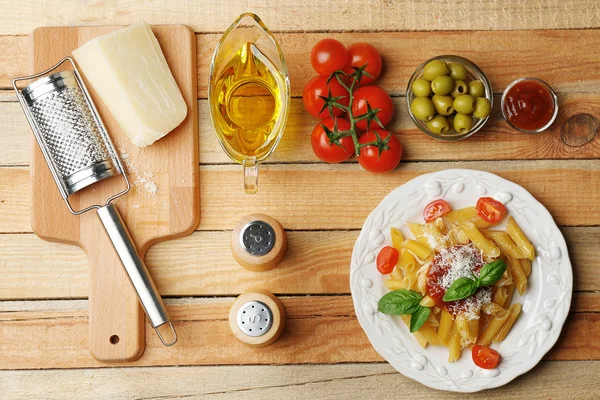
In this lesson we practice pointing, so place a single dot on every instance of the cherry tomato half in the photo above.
(435, 209)
(318, 86)
(377, 98)
(491, 210)
(484, 357)
(387, 260)
(329, 55)
(361, 54)
(326, 151)
(371, 160)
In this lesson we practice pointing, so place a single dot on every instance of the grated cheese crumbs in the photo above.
(457, 262)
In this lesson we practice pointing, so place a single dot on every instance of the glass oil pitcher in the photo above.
(249, 94)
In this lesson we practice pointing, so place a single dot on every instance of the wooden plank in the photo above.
(16, 139)
(317, 15)
(316, 263)
(295, 194)
(318, 330)
(378, 381)
(504, 56)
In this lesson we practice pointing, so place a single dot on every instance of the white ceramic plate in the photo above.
(545, 304)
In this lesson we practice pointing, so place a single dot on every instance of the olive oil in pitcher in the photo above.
(249, 94)
(247, 99)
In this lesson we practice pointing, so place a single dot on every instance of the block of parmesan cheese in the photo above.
(130, 74)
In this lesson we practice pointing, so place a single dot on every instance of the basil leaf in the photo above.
(418, 318)
(399, 302)
(491, 273)
(461, 289)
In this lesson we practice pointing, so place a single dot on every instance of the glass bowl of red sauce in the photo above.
(529, 105)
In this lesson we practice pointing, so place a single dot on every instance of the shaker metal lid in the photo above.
(254, 318)
(257, 238)
(258, 242)
(257, 318)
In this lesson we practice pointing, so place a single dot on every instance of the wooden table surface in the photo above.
(323, 353)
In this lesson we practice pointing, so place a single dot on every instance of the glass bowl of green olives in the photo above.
(449, 98)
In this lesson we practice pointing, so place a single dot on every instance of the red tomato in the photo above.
(435, 209)
(326, 151)
(484, 357)
(491, 210)
(318, 86)
(377, 98)
(361, 54)
(387, 260)
(369, 157)
(329, 55)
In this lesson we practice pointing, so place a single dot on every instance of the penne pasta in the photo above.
(433, 321)
(492, 329)
(445, 328)
(397, 274)
(429, 334)
(506, 244)
(473, 330)
(422, 279)
(416, 248)
(454, 345)
(407, 261)
(466, 214)
(393, 284)
(458, 235)
(397, 238)
(514, 312)
(526, 266)
(463, 330)
(492, 309)
(462, 214)
(518, 275)
(410, 280)
(519, 238)
(441, 225)
(510, 291)
(417, 231)
(481, 242)
(427, 301)
(420, 338)
(500, 296)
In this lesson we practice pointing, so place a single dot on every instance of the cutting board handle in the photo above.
(136, 270)
(116, 320)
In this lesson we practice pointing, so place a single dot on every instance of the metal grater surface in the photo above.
(69, 130)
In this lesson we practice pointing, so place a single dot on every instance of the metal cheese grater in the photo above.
(79, 152)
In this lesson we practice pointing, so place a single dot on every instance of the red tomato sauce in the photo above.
(528, 105)
(436, 273)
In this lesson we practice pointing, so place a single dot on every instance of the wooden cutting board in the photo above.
(163, 203)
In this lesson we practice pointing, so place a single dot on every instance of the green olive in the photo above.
(464, 103)
(422, 108)
(458, 72)
(442, 85)
(438, 124)
(460, 87)
(476, 89)
(463, 123)
(435, 68)
(443, 104)
(421, 87)
(482, 107)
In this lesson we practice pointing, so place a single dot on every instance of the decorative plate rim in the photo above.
(547, 328)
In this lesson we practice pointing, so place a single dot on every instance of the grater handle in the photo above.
(136, 270)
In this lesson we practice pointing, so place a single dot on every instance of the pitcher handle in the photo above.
(250, 175)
